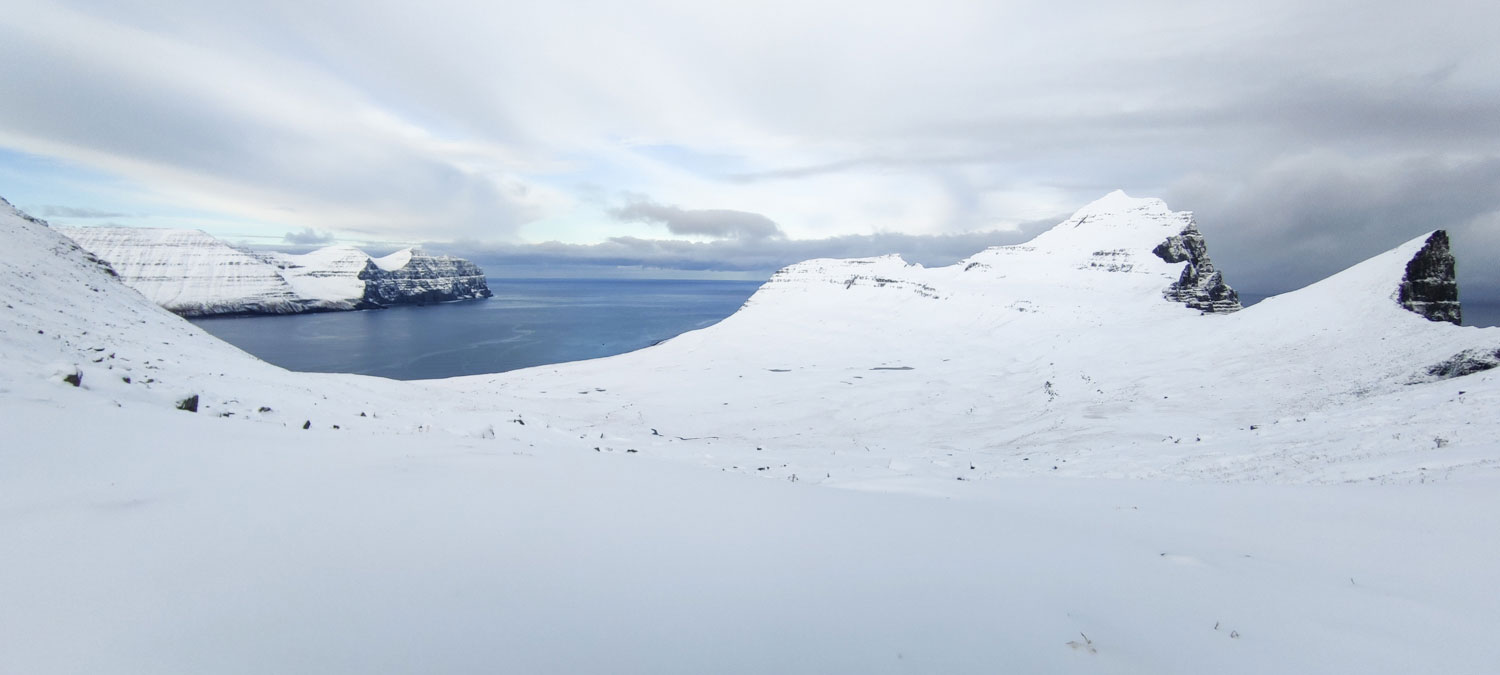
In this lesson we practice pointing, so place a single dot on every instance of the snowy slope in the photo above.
(330, 273)
(325, 551)
(593, 517)
(393, 261)
(66, 312)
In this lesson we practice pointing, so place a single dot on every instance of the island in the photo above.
(194, 274)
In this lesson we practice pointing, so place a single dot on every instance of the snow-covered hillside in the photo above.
(1333, 481)
(194, 274)
(1059, 356)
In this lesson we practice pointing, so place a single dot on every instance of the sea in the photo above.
(529, 322)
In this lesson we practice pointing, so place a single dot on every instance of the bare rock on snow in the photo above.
(1466, 362)
(1200, 286)
(1430, 287)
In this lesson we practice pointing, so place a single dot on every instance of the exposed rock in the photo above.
(1430, 287)
(189, 404)
(74, 378)
(1466, 362)
(421, 280)
(1200, 286)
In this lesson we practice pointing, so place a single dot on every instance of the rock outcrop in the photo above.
(1430, 287)
(423, 279)
(1200, 286)
(1466, 362)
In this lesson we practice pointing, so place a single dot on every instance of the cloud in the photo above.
(717, 223)
(1277, 122)
(844, 165)
(758, 256)
(290, 142)
(308, 237)
(54, 211)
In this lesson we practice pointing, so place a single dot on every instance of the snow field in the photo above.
(1258, 492)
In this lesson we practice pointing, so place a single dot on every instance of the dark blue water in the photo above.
(529, 322)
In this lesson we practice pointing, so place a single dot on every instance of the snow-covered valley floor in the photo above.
(1278, 490)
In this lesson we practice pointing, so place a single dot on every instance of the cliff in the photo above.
(421, 279)
(194, 274)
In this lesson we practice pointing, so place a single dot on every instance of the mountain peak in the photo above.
(1117, 202)
(1116, 220)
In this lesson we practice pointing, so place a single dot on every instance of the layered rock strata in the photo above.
(423, 279)
(1430, 286)
(1200, 286)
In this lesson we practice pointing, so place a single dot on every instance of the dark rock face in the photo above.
(422, 280)
(1200, 286)
(1430, 287)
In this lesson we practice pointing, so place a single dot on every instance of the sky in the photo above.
(563, 137)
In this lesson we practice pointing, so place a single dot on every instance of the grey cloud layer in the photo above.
(1302, 219)
(751, 255)
(308, 237)
(718, 223)
(1306, 135)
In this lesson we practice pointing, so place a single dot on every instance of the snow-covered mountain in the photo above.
(1314, 479)
(194, 274)
(1060, 356)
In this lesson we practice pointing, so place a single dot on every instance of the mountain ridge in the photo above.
(192, 273)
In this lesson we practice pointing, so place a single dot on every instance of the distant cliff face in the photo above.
(1200, 286)
(423, 279)
(1430, 287)
(194, 274)
(190, 272)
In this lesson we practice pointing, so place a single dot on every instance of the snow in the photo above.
(330, 273)
(394, 261)
(395, 554)
(1265, 491)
